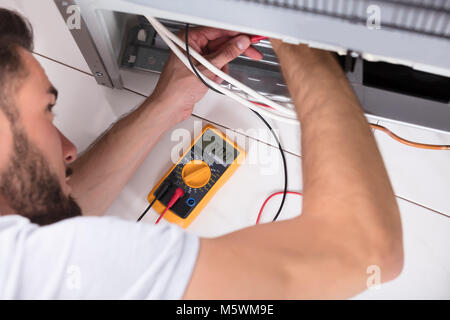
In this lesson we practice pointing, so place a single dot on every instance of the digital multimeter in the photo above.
(204, 167)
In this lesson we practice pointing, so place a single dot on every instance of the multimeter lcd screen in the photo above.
(217, 149)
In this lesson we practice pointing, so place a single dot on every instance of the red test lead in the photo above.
(176, 195)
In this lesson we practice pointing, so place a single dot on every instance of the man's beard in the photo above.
(30, 188)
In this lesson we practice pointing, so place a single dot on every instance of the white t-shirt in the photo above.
(94, 258)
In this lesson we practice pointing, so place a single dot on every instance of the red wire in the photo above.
(256, 39)
(262, 105)
(392, 135)
(177, 195)
(277, 193)
(270, 197)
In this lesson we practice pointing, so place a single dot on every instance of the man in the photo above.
(350, 219)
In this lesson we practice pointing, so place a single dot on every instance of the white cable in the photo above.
(218, 87)
(271, 114)
(162, 29)
(220, 73)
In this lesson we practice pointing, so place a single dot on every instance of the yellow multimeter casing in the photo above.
(199, 175)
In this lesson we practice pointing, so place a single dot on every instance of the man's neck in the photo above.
(5, 209)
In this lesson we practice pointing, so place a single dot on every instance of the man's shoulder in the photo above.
(111, 251)
(12, 221)
(8, 222)
(11, 225)
(17, 226)
(20, 228)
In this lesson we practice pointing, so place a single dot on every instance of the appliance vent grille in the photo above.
(428, 17)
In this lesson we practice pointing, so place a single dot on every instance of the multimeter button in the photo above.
(196, 173)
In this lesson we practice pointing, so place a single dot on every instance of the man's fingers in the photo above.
(209, 40)
(200, 37)
(213, 33)
(208, 74)
(253, 53)
(215, 45)
(226, 69)
(230, 51)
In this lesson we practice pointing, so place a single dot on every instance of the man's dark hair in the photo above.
(15, 32)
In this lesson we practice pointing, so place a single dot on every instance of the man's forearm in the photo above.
(345, 181)
(105, 168)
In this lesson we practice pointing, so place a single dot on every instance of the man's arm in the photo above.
(350, 218)
(101, 173)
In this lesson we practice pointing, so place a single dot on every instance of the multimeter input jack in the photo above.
(190, 202)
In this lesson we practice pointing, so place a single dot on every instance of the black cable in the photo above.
(162, 189)
(284, 165)
(186, 39)
(146, 210)
(263, 120)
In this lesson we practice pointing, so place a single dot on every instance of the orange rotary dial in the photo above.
(196, 173)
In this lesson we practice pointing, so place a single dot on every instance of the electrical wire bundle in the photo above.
(276, 110)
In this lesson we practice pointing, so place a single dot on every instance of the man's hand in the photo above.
(179, 89)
